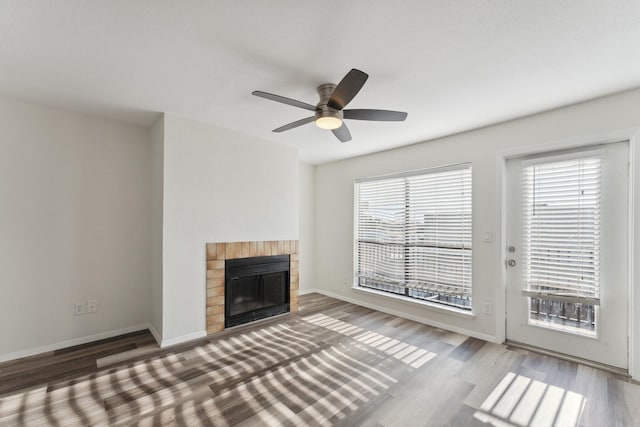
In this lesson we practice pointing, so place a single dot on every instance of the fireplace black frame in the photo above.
(255, 267)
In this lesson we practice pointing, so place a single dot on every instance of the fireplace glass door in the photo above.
(256, 288)
(257, 292)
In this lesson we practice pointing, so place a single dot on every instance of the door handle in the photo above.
(511, 262)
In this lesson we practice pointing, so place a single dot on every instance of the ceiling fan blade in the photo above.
(342, 133)
(348, 87)
(295, 124)
(284, 100)
(377, 115)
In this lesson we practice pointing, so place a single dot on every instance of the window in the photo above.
(561, 224)
(413, 235)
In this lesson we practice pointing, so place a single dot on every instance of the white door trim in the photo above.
(633, 136)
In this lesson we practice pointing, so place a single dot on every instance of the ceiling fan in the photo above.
(329, 112)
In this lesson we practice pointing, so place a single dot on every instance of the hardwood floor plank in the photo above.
(617, 410)
(126, 356)
(95, 344)
(467, 349)
(461, 415)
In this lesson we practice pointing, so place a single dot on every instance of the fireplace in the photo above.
(219, 253)
(256, 288)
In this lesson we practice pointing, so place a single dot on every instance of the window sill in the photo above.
(424, 304)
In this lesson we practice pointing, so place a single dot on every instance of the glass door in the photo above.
(567, 252)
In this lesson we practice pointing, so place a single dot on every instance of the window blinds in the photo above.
(415, 231)
(381, 216)
(561, 247)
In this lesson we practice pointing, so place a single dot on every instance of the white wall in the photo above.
(586, 122)
(157, 196)
(307, 226)
(74, 209)
(219, 186)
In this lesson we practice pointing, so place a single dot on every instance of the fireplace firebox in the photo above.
(256, 288)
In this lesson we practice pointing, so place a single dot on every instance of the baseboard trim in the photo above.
(182, 338)
(418, 319)
(156, 335)
(308, 291)
(72, 342)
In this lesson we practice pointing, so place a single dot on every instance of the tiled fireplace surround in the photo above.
(217, 253)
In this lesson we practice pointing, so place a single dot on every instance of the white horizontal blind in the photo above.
(561, 246)
(415, 232)
(439, 232)
(381, 214)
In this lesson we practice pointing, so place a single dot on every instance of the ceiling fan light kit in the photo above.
(328, 122)
(330, 112)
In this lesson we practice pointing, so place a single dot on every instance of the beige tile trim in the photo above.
(217, 253)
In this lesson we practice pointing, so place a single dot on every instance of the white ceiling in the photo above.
(452, 65)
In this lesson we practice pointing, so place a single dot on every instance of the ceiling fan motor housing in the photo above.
(322, 109)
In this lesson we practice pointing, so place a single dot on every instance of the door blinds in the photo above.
(561, 246)
(415, 231)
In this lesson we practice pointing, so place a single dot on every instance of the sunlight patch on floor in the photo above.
(521, 401)
(406, 353)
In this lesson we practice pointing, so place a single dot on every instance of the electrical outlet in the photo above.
(92, 306)
(78, 308)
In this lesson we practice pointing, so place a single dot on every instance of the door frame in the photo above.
(633, 242)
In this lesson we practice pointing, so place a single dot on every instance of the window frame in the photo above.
(440, 306)
(591, 304)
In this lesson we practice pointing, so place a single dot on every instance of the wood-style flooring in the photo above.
(334, 363)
